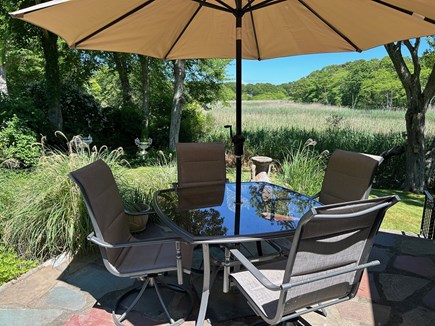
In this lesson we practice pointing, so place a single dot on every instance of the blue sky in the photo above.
(284, 70)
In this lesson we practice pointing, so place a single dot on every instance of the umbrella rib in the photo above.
(344, 37)
(113, 22)
(184, 30)
(261, 5)
(405, 11)
(224, 6)
(255, 35)
(248, 5)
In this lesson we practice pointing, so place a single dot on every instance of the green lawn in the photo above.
(406, 214)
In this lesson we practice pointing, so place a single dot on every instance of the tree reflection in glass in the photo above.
(279, 205)
(192, 209)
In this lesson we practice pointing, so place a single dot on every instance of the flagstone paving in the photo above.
(79, 292)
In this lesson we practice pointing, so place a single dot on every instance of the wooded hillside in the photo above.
(358, 84)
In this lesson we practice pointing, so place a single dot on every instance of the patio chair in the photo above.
(348, 176)
(329, 253)
(124, 255)
(200, 164)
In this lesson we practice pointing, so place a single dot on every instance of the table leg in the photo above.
(205, 287)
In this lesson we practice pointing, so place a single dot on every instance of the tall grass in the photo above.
(272, 128)
(302, 169)
(275, 128)
(286, 114)
(48, 216)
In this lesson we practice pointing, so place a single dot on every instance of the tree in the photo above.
(52, 78)
(24, 35)
(145, 67)
(419, 97)
(122, 66)
(178, 102)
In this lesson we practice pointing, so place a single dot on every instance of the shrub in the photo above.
(18, 143)
(122, 126)
(193, 123)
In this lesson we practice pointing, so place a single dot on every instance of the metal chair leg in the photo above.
(118, 321)
(152, 281)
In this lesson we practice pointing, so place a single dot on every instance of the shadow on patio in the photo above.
(400, 291)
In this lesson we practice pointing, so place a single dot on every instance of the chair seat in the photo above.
(265, 300)
(297, 298)
(162, 257)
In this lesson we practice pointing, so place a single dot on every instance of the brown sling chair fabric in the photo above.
(329, 252)
(348, 176)
(200, 164)
(123, 254)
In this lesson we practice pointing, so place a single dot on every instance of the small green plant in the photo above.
(18, 144)
(11, 265)
(303, 169)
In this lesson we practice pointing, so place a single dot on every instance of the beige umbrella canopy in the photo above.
(177, 29)
(250, 29)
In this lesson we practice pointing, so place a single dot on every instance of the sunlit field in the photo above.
(278, 114)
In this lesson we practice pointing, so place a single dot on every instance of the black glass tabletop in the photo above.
(211, 211)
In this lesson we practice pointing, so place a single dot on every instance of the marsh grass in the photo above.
(275, 128)
(285, 114)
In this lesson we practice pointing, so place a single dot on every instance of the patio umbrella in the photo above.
(250, 29)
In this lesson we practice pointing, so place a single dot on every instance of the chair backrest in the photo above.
(330, 239)
(200, 164)
(104, 205)
(348, 177)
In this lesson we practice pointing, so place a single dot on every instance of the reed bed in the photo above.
(286, 114)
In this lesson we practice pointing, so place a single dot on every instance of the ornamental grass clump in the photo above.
(48, 216)
(303, 169)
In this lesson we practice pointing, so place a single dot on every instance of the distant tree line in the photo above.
(358, 84)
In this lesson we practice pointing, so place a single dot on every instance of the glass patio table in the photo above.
(209, 215)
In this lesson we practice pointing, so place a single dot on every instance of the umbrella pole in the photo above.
(238, 139)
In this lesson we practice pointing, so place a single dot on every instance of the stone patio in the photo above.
(400, 291)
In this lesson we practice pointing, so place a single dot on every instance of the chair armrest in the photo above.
(271, 286)
(287, 286)
(145, 242)
(254, 271)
